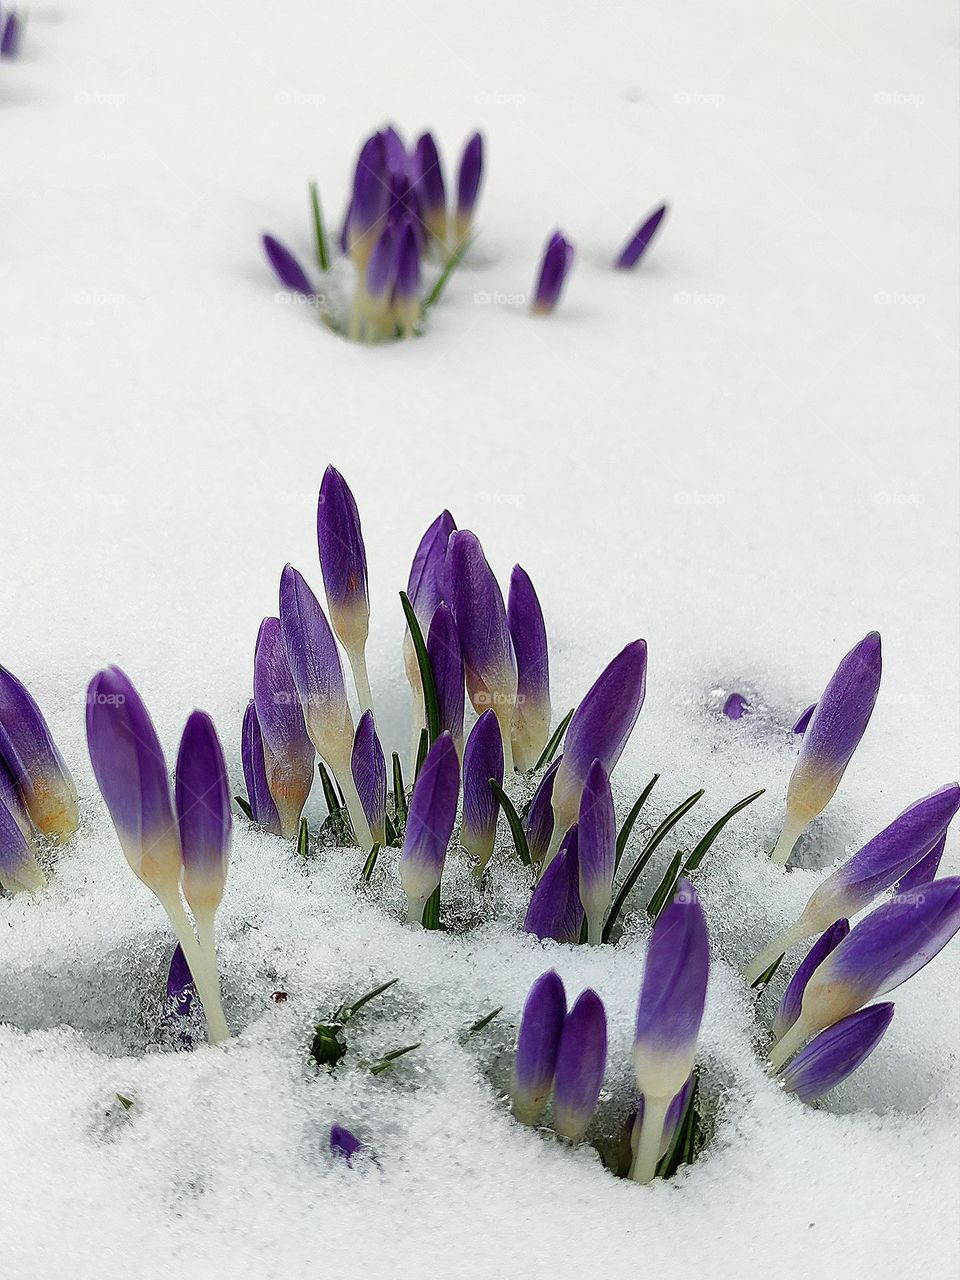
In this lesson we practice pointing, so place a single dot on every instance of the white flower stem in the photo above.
(647, 1155)
(357, 655)
(793, 829)
(203, 965)
(595, 929)
(358, 819)
(788, 1045)
(778, 947)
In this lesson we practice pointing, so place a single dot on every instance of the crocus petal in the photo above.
(581, 1061)
(381, 273)
(925, 870)
(343, 560)
(370, 776)
(180, 987)
(431, 186)
(446, 662)
(735, 706)
(789, 1008)
(19, 869)
(804, 719)
(555, 909)
(406, 288)
(837, 1052)
(636, 246)
(469, 175)
(482, 760)
(371, 194)
(432, 813)
(37, 767)
(597, 847)
(203, 814)
(531, 720)
(263, 808)
(537, 1044)
(343, 1143)
(554, 267)
(426, 581)
(286, 267)
(12, 801)
(131, 772)
(289, 758)
(538, 825)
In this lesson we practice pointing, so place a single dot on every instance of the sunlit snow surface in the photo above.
(741, 452)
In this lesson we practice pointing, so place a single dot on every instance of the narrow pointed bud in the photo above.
(11, 30)
(555, 909)
(581, 1062)
(531, 721)
(879, 953)
(469, 176)
(433, 196)
(43, 780)
(254, 756)
(537, 1044)
(314, 663)
(837, 1052)
(554, 267)
(343, 1143)
(489, 662)
(131, 772)
(370, 776)
(789, 1007)
(538, 825)
(425, 587)
(597, 848)
(343, 563)
(433, 811)
(286, 267)
(636, 246)
(19, 870)
(381, 276)
(406, 289)
(925, 870)
(203, 815)
(836, 726)
(599, 730)
(804, 719)
(369, 200)
(289, 757)
(482, 760)
(446, 662)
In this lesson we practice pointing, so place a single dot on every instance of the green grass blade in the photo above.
(760, 984)
(422, 748)
(430, 702)
(513, 822)
(431, 912)
(700, 851)
(550, 750)
(399, 791)
(391, 829)
(683, 1147)
(303, 839)
(319, 230)
(371, 862)
(346, 1012)
(243, 807)
(449, 267)
(481, 1023)
(329, 794)
(631, 818)
(664, 890)
(388, 1059)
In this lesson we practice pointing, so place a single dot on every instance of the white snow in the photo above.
(743, 451)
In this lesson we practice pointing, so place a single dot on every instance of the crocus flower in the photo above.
(836, 726)
(406, 288)
(432, 813)
(599, 730)
(837, 1052)
(668, 1017)
(878, 954)
(202, 799)
(10, 31)
(425, 592)
(369, 200)
(318, 677)
(37, 767)
(804, 719)
(878, 865)
(735, 706)
(789, 1007)
(286, 267)
(289, 755)
(554, 268)
(489, 661)
(469, 175)
(343, 1143)
(12, 801)
(433, 195)
(369, 770)
(636, 246)
(19, 869)
(555, 909)
(446, 663)
(537, 1045)
(538, 825)
(253, 753)
(597, 848)
(925, 870)
(581, 1060)
(531, 720)
(482, 760)
(180, 986)
(343, 562)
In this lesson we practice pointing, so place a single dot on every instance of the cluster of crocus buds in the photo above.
(176, 846)
(11, 32)
(37, 793)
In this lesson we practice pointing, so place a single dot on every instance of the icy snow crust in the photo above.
(751, 483)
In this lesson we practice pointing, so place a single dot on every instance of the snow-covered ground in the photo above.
(744, 452)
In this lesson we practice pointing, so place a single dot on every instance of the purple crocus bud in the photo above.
(406, 288)
(370, 776)
(668, 1017)
(836, 1053)
(537, 1045)
(482, 760)
(736, 706)
(876, 867)
(19, 869)
(12, 801)
(203, 819)
(531, 720)
(253, 754)
(599, 730)
(46, 786)
(581, 1061)
(597, 849)
(468, 185)
(343, 1143)
(878, 954)
(433, 196)
(538, 826)
(343, 563)
(554, 266)
(804, 719)
(489, 662)
(636, 246)
(789, 1008)
(446, 662)
(180, 987)
(369, 201)
(10, 37)
(286, 267)
(395, 152)
(432, 813)
(925, 870)
(425, 592)
(289, 755)
(555, 909)
(381, 272)
(836, 726)
(675, 1113)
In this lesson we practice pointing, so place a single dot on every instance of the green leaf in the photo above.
(700, 851)
(329, 794)
(327, 1046)
(319, 230)
(633, 875)
(760, 984)
(391, 829)
(422, 749)
(449, 267)
(370, 863)
(430, 703)
(631, 818)
(127, 1103)
(399, 791)
(481, 1023)
(431, 911)
(303, 839)
(513, 822)
(664, 891)
(245, 810)
(388, 1059)
(550, 750)
(683, 1148)
(346, 1012)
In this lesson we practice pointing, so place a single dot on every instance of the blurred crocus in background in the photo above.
(837, 724)
(288, 754)
(469, 176)
(482, 761)
(343, 563)
(11, 32)
(637, 245)
(432, 813)
(531, 720)
(554, 268)
(33, 760)
(433, 196)
(253, 754)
